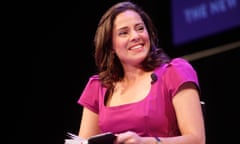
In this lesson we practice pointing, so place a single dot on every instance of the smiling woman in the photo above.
(131, 39)
(136, 83)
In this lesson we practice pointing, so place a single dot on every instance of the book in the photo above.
(103, 138)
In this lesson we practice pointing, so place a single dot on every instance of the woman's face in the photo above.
(130, 38)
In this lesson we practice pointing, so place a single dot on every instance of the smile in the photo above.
(136, 47)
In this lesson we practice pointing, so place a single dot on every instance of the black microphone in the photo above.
(154, 78)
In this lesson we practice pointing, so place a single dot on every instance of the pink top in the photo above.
(152, 116)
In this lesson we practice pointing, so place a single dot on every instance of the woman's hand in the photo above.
(129, 137)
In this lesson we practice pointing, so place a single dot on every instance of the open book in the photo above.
(104, 138)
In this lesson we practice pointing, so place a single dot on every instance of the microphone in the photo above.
(154, 78)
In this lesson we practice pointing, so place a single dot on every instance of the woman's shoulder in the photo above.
(94, 80)
(94, 77)
(179, 63)
(176, 65)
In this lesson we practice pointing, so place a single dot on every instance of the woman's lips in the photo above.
(135, 47)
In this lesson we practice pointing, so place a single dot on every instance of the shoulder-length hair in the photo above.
(108, 64)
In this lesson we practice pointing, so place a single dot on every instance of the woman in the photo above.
(139, 94)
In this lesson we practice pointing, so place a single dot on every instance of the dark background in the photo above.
(63, 61)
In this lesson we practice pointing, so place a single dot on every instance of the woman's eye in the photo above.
(122, 33)
(140, 29)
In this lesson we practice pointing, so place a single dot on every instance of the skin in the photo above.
(131, 44)
(130, 39)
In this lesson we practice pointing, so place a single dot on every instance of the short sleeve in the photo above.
(178, 72)
(90, 96)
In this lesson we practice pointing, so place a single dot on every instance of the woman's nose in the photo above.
(134, 36)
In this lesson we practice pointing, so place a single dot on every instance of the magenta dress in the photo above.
(152, 116)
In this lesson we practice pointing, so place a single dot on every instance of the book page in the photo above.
(75, 139)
